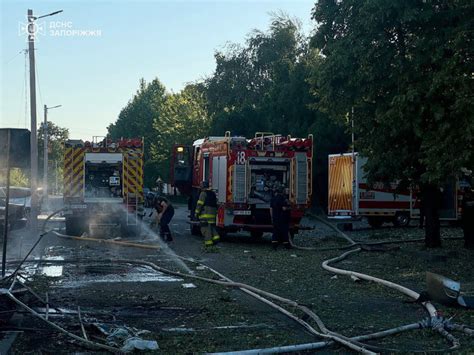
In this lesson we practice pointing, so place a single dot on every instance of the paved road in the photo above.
(200, 316)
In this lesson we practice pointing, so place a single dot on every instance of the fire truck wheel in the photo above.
(75, 226)
(375, 222)
(401, 220)
(195, 230)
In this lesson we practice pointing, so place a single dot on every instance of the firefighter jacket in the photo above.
(206, 207)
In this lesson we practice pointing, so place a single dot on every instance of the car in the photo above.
(16, 214)
(21, 196)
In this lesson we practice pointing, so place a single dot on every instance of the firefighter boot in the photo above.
(215, 236)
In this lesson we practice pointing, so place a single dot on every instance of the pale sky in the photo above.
(93, 76)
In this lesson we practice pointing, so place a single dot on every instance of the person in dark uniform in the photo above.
(280, 212)
(165, 212)
(468, 218)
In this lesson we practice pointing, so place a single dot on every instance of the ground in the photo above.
(211, 318)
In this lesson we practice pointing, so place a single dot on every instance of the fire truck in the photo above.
(103, 186)
(350, 196)
(244, 173)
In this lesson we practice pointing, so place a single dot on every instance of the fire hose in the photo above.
(352, 343)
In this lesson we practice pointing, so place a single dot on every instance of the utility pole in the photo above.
(45, 151)
(34, 138)
(45, 154)
(56, 177)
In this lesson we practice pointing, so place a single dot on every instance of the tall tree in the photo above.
(136, 120)
(183, 119)
(57, 136)
(265, 86)
(406, 68)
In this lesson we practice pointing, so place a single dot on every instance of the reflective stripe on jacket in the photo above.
(205, 213)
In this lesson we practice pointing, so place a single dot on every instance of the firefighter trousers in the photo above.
(209, 232)
(165, 232)
(281, 234)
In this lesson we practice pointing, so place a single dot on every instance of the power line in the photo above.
(16, 55)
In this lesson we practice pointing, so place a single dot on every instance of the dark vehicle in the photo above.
(21, 196)
(16, 213)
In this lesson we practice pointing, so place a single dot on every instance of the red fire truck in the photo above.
(350, 197)
(244, 174)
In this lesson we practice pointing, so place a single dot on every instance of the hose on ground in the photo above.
(107, 241)
(230, 283)
(410, 293)
(348, 342)
(60, 329)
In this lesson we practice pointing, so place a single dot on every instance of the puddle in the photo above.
(52, 270)
(93, 274)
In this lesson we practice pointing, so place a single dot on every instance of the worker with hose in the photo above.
(165, 212)
(280, 212)
(206, 210)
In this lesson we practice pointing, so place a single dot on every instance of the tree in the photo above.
(136, 120)
(183, 118)
(57, 136)
(17, 178)
(406, 69)
(265, 86)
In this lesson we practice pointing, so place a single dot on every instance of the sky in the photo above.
(90, 57)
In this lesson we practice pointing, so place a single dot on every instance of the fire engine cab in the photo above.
(244, 173)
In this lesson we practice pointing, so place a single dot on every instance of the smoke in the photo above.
(145, 230)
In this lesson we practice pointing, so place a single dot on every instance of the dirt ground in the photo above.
(203, 317)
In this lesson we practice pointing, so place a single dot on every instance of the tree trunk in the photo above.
(431, 198)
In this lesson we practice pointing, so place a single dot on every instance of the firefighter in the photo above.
(280, 212)
(468, 218)
(206, 209)
(165, 212)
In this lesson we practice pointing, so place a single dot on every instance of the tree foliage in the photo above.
(163, 119)
(266, 86)
(406, 68)
(136, 119)
(262, 85)
(57, 136)
(183, 118)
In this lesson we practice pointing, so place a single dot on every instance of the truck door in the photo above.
(340, 191)
(219, 177)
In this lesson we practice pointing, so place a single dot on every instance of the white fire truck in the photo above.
(103, 186)
(350, 197)
(245, 173)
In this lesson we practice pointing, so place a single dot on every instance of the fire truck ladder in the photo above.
(260, 136)
(132, 201)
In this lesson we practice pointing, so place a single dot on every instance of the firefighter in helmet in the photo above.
(206, 210)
